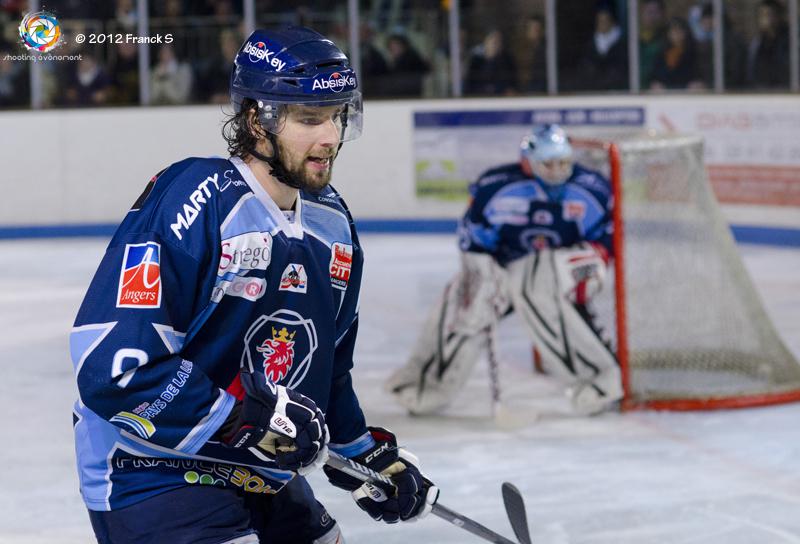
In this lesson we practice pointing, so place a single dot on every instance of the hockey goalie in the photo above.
(535, 239)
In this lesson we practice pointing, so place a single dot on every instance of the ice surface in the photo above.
(718, 477)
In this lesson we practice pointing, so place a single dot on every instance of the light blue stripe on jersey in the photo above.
(98, 440)
(326, 224)
(207, 426)
(95, 439)
(351, 449)
(248, 215)
(526, 189)
(83, 340)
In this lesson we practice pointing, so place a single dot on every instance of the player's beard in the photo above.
(303, 174)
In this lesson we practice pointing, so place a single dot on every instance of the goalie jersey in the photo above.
(512, 214)
(205, 274)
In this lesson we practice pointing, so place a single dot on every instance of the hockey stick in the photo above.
(366, 474)
(515, 508)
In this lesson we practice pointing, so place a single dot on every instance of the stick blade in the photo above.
(515, 508)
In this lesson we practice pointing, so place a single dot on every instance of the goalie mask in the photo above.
(294, 67)
(547, 154)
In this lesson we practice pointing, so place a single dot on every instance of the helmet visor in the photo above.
(316, 113)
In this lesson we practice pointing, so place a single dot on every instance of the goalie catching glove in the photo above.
(410, 498)
(278, 424)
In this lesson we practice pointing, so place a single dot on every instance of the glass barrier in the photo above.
(405, 48)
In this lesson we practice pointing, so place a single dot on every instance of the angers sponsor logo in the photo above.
(341, 264)
(294, 279)
(140, 277)
(258, 52)
(336, 82)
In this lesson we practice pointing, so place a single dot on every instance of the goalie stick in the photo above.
(365, 474)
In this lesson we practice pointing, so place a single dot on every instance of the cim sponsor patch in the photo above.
(140, 277)
(341, 264)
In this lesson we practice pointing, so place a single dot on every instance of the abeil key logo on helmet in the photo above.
(259, 52)
(336, 82)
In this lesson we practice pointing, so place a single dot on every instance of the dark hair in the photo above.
(237, 131)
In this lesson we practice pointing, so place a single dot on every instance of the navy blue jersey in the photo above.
(203, 274)
(512, 214)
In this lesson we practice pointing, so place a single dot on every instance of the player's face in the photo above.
(308, 143)
(554, 171)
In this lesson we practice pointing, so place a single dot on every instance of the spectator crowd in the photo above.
(404, 49)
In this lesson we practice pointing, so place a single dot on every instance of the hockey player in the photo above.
(536, 238)
(213, 349)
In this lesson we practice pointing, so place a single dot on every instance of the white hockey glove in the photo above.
(581, 271)
(279, 424)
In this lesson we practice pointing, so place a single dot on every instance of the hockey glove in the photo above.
(410, 498)
(581, 270)
(278, 423)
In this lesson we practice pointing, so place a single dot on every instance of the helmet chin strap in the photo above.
(277, 169)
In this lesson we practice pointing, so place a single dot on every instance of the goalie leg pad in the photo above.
(453, 338)
(569, 346)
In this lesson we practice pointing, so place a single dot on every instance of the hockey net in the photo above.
(688, 327)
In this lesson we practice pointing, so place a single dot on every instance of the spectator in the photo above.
(605, 64)
(14, 82)
(768, 55)
(125, 14)
(88, 84)
(701, 21)
(171, 80)
(532, 57)
(652, 38)
(213, 77)
(125, 74)
(373, 62)
(676, 68)
(491, 69)
(407, 68)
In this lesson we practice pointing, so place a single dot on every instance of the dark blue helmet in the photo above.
(295, 65)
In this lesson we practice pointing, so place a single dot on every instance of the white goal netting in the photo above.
(695, 333)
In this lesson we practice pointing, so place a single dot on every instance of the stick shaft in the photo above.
(494, 368)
